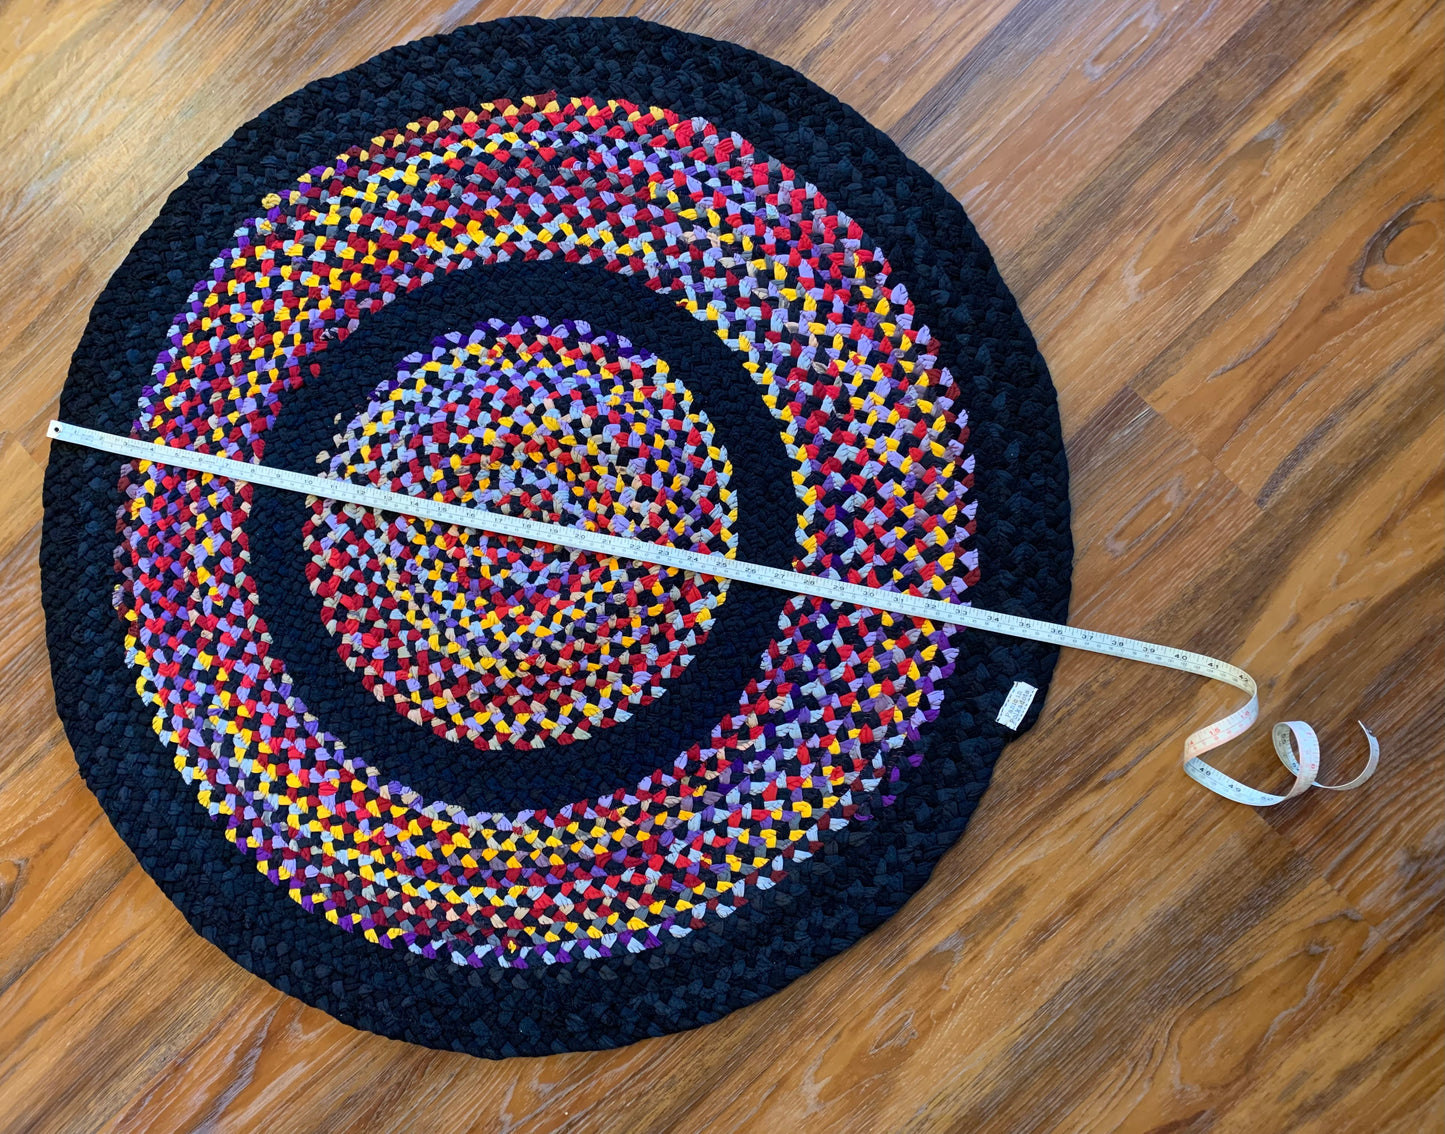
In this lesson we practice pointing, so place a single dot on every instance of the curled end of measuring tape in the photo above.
(1309, 760)
(1370, 765)
(1305, 767)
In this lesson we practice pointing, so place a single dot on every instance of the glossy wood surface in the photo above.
(1224, 222)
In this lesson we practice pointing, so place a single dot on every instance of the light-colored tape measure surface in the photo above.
(1305, 769)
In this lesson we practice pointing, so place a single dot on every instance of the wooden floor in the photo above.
(1224, 223)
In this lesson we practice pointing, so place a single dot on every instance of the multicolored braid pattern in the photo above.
(882, 481)
(505, 643)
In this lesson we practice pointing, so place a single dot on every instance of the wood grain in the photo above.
(1225, 224)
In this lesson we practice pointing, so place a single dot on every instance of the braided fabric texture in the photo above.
(507, 798)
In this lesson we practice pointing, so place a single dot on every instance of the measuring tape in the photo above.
(1305, 768)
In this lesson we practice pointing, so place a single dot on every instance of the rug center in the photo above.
(492, 639)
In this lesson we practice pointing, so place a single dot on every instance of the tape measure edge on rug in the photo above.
(1304, 767)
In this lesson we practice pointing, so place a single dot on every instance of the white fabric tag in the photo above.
(1016, 704)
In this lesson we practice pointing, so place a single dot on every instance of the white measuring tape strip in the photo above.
(1305, 769)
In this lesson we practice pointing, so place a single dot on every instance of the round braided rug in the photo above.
(508, 798)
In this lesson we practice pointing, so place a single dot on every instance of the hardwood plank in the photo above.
(22, 476)
(1053, 92)
(1363, 268)
(1223, 221)
(1201, 218)
(1142, 496)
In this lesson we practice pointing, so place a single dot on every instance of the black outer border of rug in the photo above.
(863, 874)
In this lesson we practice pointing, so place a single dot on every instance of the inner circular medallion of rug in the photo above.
(512, 798)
